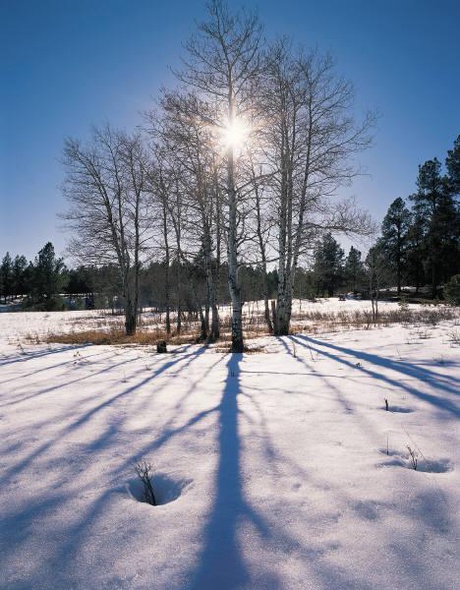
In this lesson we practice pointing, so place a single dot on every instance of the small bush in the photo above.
(143, 470)
(454, 336)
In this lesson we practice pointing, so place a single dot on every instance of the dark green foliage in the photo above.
(452, 290)
(328, 266)
(21, 276)
(37, 284)
(6, 277)
(437, 218)
(354, 272)
(422, 244)
(453, 168)
(395, 238)
(48, 274)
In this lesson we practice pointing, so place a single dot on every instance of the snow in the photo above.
(279, 469)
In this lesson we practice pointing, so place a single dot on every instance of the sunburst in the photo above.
(235, 134)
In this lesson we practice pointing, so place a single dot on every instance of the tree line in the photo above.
(47, 284)
(36, 282)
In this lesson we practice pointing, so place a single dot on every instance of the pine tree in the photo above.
(394, 240)
(436, 213)
(354, 270)
(21, 279)
(414, 258)
(453, 168)
(328, 265)
(48, 271)
(6, 277)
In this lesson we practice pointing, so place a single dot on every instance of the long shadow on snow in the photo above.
(40, 392)
(67, 362)
(221, 563)
(36, 354)
(39, 354)
(103, 441)
(189, 358)
(78, 532)
(425, 376)
(221, 557)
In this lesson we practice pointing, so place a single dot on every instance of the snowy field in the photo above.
(279, 469)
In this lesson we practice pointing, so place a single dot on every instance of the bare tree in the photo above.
(263, 223)
(222, 63)
(161, 185)
(378, 273)
(310, 140)
(189, 146)
(105, 186)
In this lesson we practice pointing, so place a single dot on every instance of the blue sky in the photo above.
(68, 64)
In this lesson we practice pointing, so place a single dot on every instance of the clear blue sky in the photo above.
(68, 64)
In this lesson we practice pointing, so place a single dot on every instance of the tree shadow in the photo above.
(421, 374)
(229, 505)
(226, 558)
(82, 418)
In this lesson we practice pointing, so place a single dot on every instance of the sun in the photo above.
(235, 134)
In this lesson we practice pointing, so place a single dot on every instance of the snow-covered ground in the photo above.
(274, 470)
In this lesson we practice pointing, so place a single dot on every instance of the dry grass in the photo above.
(117, 336)
(110, 332)
(319, 320)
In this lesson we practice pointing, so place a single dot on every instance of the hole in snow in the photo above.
(165, 488)
(439, 466)
(400, 410)
(430, 466)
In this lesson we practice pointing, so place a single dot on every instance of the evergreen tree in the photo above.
(453, 168)
(6, 277)
(328, 265)
(437, 215)
(21, 278)
(48, 277)
(414, 256)
(354, 270)
(395, 238)
(452, 290)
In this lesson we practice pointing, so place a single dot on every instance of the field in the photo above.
(326, 460)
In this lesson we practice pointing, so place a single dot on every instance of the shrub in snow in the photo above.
(413, 457)
(143, 470)
(454, 336)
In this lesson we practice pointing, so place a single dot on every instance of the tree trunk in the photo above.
(213, 331)
(234, 288)
(274, 318)
(267, 317)
(215, 324)
(284, 310)
(204, 323)
(130, 317)
(237, 326)
(167, 271)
